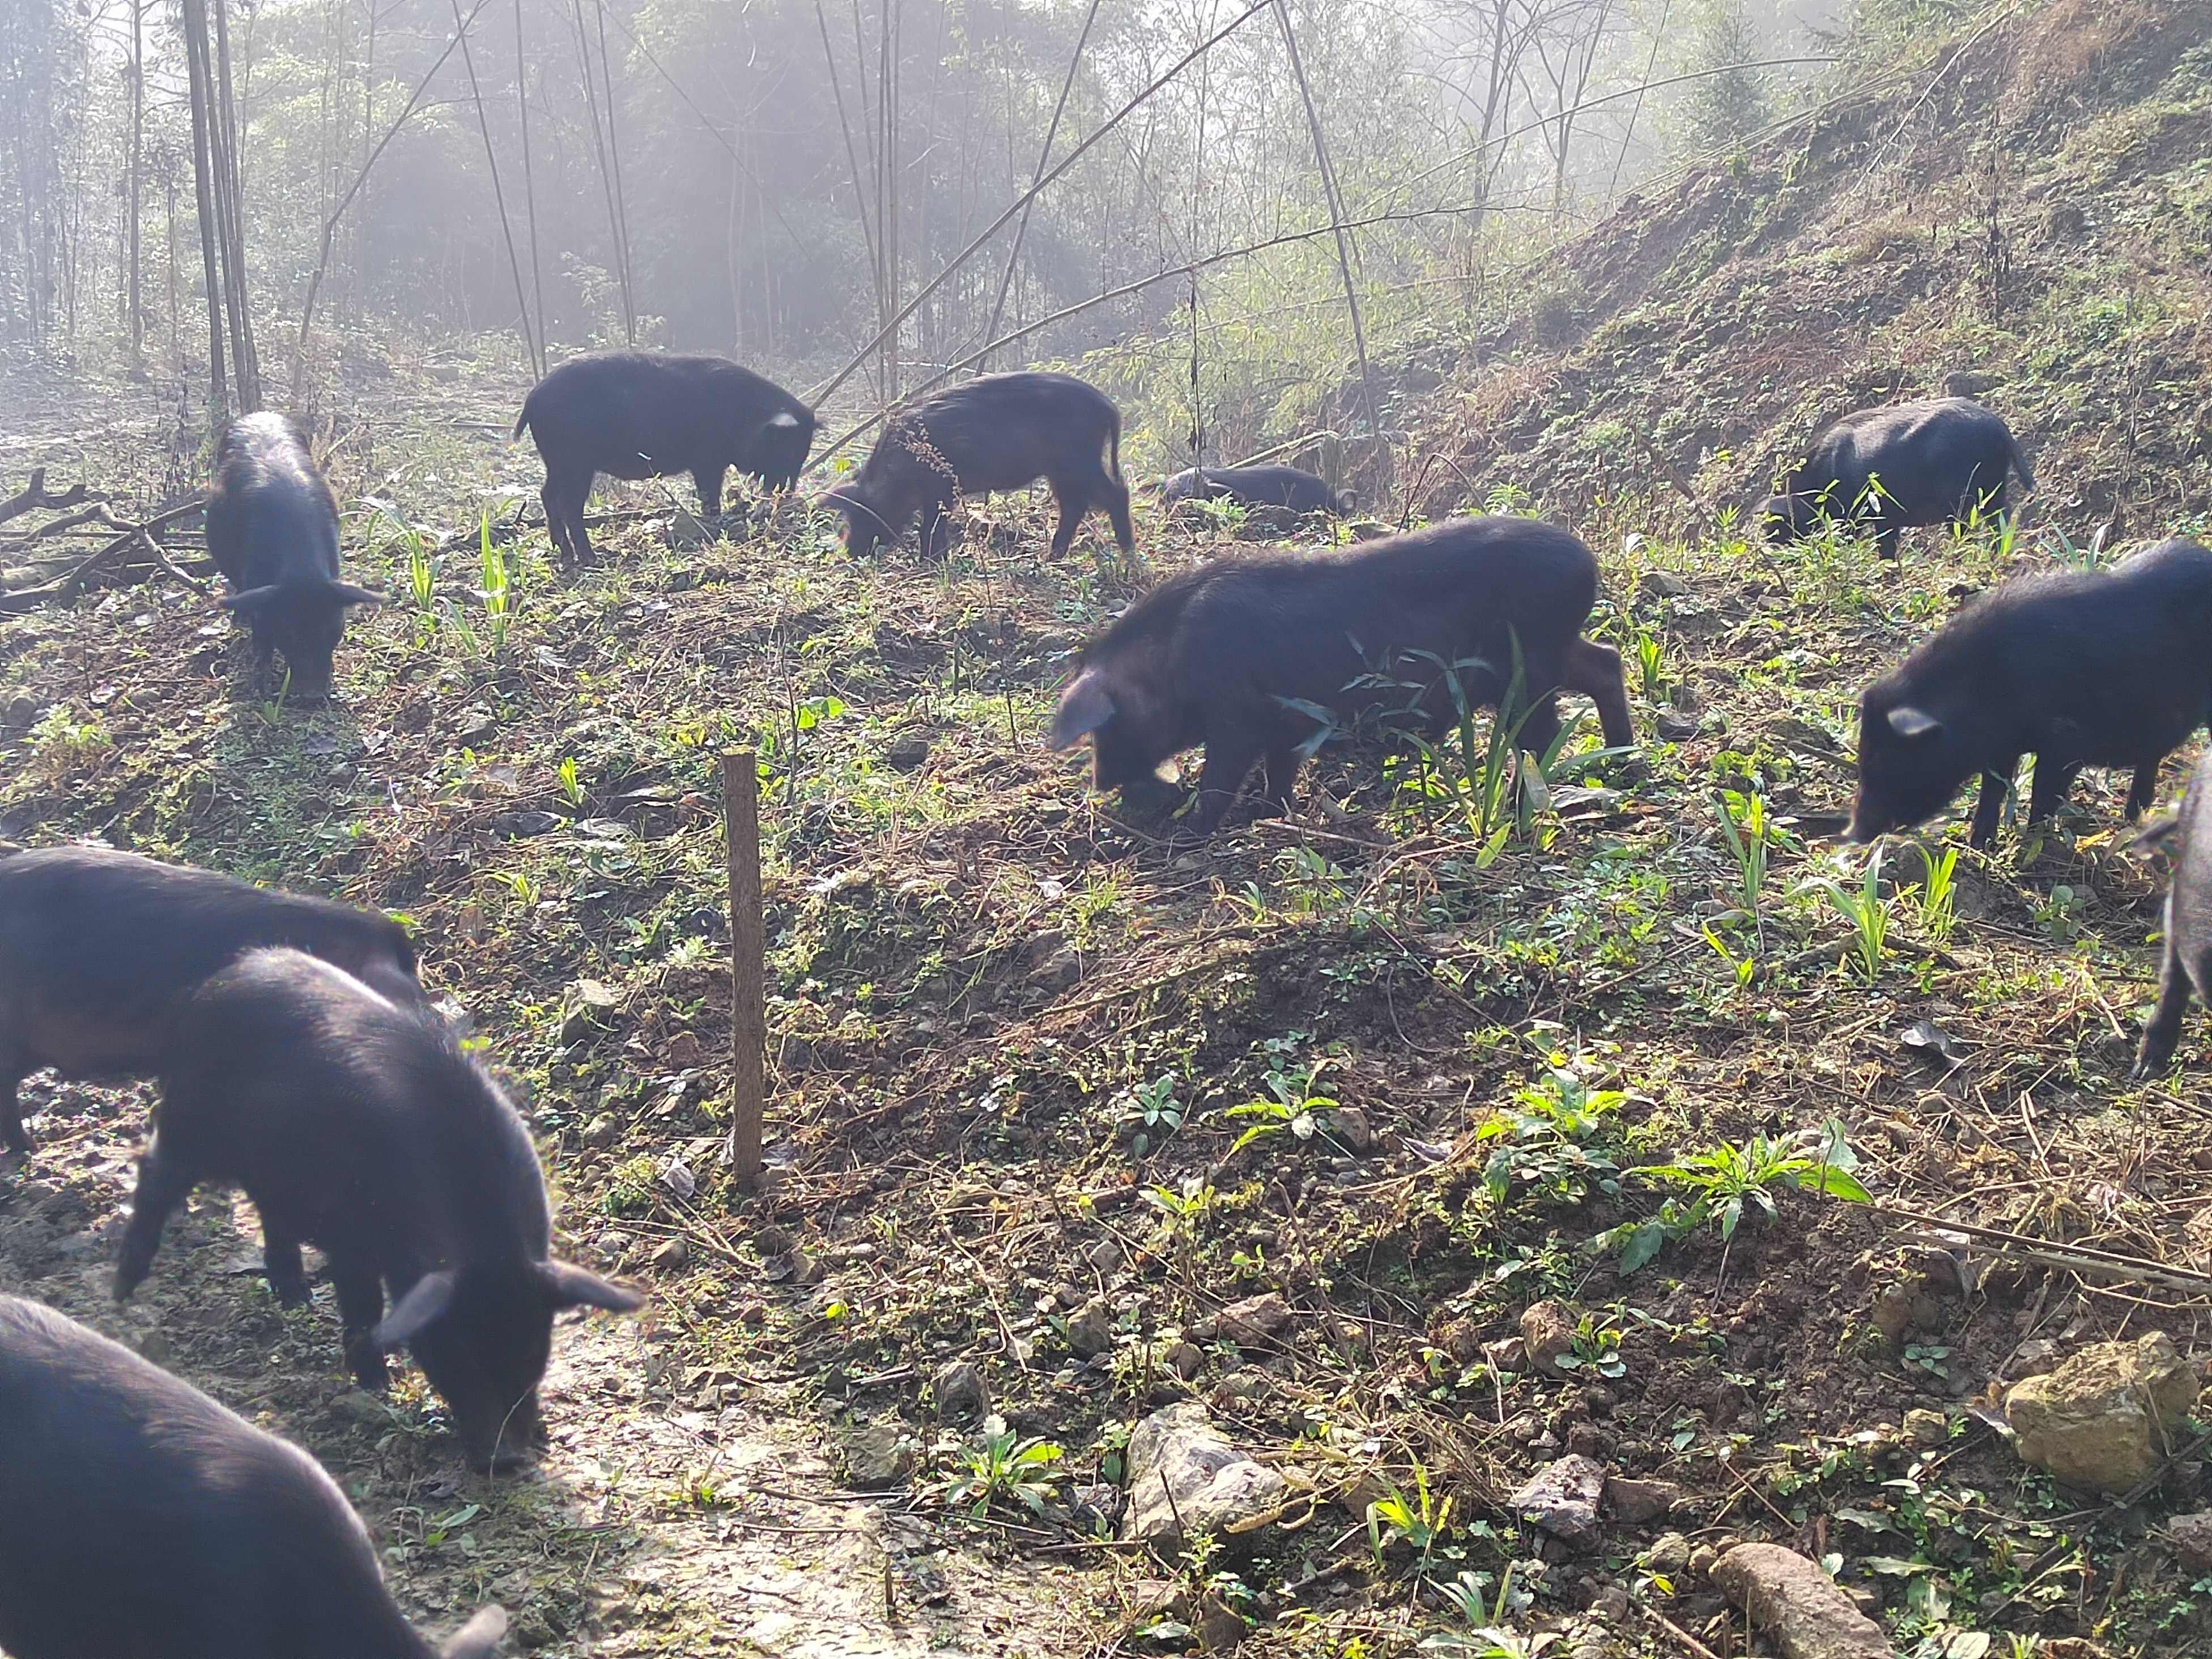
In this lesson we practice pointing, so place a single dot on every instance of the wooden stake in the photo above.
(748, 953)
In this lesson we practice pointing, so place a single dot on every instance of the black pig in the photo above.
(1259, 486)
(2110, 668)
(1909, 463)
(97, 947)
(272, 530)
(2186, 961)
(645, 415)
(1214, 655)
(360, 1125)
(142, 1519)
(996, 432)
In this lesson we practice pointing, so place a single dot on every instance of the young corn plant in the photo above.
(501, 593)
(1937, 895)
(421, 573)
(1421, 1520)
(1483, 1632)
(572, 785)
(1868, 913)
(1651, 665)
(1751, 836)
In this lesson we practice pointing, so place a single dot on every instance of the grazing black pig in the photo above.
(2186, 961)
(645, 415)
(1259, 486)
(97, 947)
(996, 432)
(1215, 655)
(1909, 463)
(272, 530)
(360, 1125)
(2110, 668)
(144, 1519)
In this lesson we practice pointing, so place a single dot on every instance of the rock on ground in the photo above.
(1185, 1478)
(2191, 1537)
(1562, 1496)
(2105, 1418)
(1547, 1333)
(1786, 1594)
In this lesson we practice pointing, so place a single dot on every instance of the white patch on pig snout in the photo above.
(787, 419)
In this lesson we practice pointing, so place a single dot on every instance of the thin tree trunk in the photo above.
(852, 161)
(622, 206)
(134, 289)
(246, 368)
(960, 260)
(499, 198)
(331, 224)
(529, 185)
(195, 20)
(1044, 154)
(599, 151)
(1336, 222)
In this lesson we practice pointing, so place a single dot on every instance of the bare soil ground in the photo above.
(982, 981)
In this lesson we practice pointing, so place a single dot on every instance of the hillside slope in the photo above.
(2031, 209)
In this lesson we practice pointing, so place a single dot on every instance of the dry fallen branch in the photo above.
(133, 536)
(33, 497)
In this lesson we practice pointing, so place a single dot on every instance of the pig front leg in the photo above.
(1279, 773)
(709, 482)
(280, 1260)
(360, 1304)
(1229, 758)
(17, 1138)
(1995, 785)
(2054, 782)
(2164, 1031)
(2144, 790)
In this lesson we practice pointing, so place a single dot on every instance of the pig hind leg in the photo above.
(1593, 669)
(564, 496)
(1074, 499)
(165, 1181)
(360, 1291)
(1111, 493)
(2164, 1031)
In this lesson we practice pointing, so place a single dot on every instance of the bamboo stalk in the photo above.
(1335, 221)
(499, 196)
(1104, 129)
(748, 950)
(1044, 154)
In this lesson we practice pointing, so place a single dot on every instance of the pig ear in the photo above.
(1913, 723)
(417, 1310)
(250, 603)
(1086, 706)
(478, 1639)
(347, 594)
(570, 1286)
